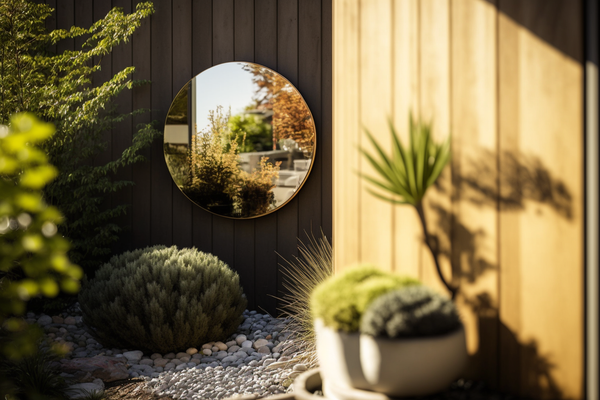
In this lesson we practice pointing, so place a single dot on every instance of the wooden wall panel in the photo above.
(472, 218)
(504, 77)
(180, 40)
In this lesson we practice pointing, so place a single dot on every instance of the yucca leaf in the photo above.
(397, 174)
(397, 190)
(407, 161)
(383, 169)
(394, 201)
(441, 160)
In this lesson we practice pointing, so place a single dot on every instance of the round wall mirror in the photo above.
(239, 140)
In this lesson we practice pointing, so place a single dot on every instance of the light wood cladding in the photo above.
(504, 78)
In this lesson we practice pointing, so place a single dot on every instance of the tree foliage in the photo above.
(33, 258)
(58, 88)
(291, 117)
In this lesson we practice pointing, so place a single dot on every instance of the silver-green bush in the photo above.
(412, 311)
(162, 299)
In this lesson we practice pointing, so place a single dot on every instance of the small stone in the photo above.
(260, 343)
(180, 367)
(169, 356)
(221, 355)
(191, 351)
(229, 359)
(207, 346)
(221, 346)
(268, 337)
(70, 321)
(58, 320)
(169, 366)
(133, 356)
(233, 349)
(247, 344)
(207, 352)
(214, 349)
(181, 354)
(264, 350)
(155, 356)
(176, 361)
(185, 359)
(44, 320)
(231, 343)
(240, 339)
(147, 362)
(160, 362)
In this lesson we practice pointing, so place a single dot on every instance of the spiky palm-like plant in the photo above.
(302, 275)
(406, 175)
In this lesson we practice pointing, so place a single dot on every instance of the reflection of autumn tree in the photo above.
(291, 116)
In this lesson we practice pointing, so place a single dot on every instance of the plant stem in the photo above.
(421, 212)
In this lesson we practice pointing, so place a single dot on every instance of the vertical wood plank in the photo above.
(346, 133)
(309, 84)
(202, 221)
(474, 126)
(162, 191)
(375, 107)
(265, 270)
(101, 8)
(142, 171)
(325, 136)
(265, 33)
(182, 73)
(434, 95)
(287, 65)
(548, 95)
(408, 236)
(223, 51)
(121, 137)
(244, 30)
(244, 229)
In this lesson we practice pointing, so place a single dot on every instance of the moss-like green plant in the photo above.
(410, 312)
(163, 299)
(341, 300)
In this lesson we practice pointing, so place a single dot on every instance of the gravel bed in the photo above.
(258, 360)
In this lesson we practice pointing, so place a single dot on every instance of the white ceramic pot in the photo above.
(339, 356)
(394, 367)
(413, 366)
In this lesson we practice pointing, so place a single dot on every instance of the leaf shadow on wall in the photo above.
(522, 181)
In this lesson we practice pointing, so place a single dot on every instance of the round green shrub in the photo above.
(341, 300)
(162, 300)
(410, 312)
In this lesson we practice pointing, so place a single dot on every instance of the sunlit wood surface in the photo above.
(505, 79)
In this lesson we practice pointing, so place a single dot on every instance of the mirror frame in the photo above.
(188, 86)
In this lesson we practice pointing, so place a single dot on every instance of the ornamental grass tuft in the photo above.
(162, 299)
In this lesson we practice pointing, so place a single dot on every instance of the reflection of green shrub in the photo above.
(256, 195)
(163, 299)
(341, 300)
(214, 170)
(410, 312)
(258, 133)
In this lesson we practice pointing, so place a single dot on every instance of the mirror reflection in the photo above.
(239, 140)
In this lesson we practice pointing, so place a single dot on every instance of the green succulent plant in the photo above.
(410, 312)
(406, 174)
(341, 300)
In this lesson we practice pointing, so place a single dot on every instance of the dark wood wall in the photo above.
(181, 39)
